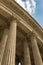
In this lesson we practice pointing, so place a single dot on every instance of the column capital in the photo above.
(14, 21)
(32, 35)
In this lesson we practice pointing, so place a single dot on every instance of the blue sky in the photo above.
(34, 7)
(38, 15)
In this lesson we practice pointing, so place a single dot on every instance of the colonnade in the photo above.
(8, 48)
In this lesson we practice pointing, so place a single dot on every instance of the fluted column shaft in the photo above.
(27, 60)
(35, 49)
(9, 55)
(3, 44)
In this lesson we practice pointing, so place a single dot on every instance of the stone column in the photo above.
(35, 49)
(9, 55)
(3, 44)
(27, 60)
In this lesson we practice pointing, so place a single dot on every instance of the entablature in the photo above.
(24, 20)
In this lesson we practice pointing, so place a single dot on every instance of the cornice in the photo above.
(20, 11)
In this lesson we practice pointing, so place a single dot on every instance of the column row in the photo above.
(9, 55)
(36, 53)
(8, 45)
(8, 49)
